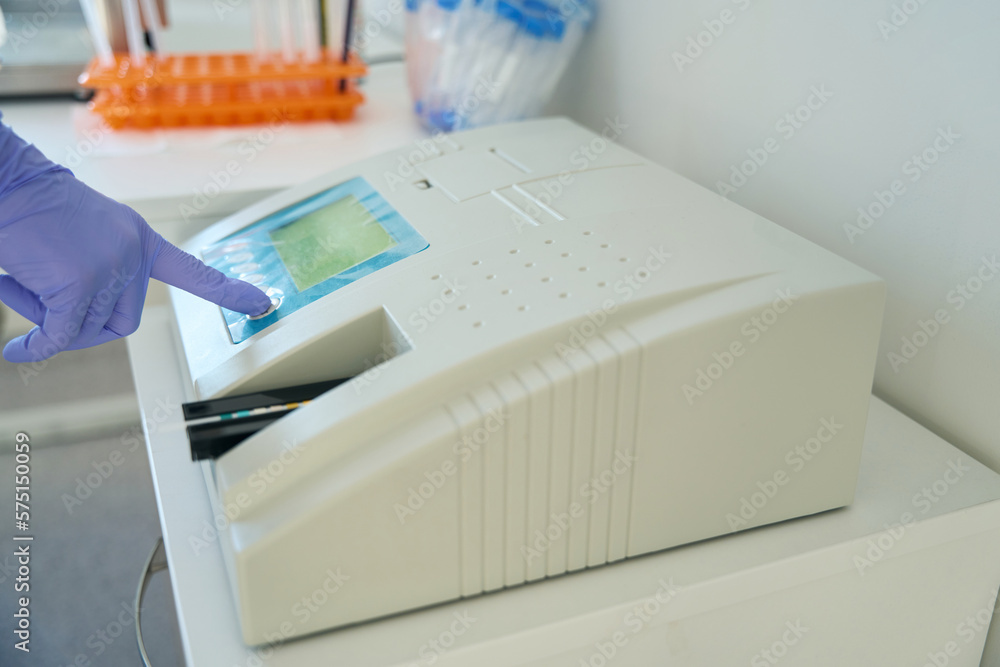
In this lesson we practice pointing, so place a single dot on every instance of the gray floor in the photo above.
(92, 533)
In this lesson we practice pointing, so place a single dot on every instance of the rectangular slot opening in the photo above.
(360, 346)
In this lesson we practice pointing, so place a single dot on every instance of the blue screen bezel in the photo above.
(249, 254)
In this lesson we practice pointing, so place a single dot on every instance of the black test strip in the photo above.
(213, 439)
(261, 399)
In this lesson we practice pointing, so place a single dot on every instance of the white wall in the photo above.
(891, 97)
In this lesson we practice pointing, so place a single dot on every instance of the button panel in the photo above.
(275, 302)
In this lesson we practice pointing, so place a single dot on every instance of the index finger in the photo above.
(180, 269)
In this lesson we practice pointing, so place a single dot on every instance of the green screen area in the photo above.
(329, 241)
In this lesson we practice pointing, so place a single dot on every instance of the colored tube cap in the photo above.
(509, 11)
(535, 26)
(538, 6)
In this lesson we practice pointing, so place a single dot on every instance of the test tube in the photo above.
(285, 30)
(416, 74)
(152, 16)
(467, 90)
(133, 32)
(540, 69)
(496, 62)
(333, 20)
(515, 71)
(308, 12)
(433, 20)
(261, 41)
(440, 18)
(97, 33)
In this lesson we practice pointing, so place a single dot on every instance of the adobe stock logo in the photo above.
(899, 17)
(796, 458)
(958, 297)
(752, 330)
(787, 126)
(698, 43)
(914, 168)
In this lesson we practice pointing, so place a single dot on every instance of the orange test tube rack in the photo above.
(180, 90)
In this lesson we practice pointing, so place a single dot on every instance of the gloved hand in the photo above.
(78, 263)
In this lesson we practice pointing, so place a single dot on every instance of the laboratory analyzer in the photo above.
(544, 353)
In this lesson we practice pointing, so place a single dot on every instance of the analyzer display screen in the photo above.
(307, 250)
(328, 241)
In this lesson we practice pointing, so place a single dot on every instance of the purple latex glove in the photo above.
(78, 263)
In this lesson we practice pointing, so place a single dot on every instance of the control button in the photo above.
(245, 268)
(233, 247)
(272, 291)
(238, 257)
(253, 278)
(275, 302)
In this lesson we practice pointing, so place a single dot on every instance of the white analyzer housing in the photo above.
(577, 357)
